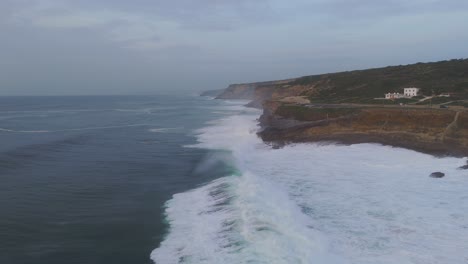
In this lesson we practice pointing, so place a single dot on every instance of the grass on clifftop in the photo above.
(364, 85)
(304, 113)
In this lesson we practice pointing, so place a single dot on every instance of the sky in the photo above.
(96, 47)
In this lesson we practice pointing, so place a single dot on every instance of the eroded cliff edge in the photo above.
(434, 131)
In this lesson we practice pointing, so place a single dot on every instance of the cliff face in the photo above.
(212, 93)
(434, 131)
(351, 111)
(238, 91)
(257, 92)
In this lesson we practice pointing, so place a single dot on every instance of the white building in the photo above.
(394, 95)
(410, 92)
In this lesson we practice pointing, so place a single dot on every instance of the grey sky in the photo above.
(58, 47)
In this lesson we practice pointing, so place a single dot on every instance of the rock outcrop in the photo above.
(437, 174)
(464, 167)
(434, 131)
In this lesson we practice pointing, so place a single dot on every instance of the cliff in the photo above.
(434, 131)
(257, 92)
(212, 93)
(362, 86)
(347, 107)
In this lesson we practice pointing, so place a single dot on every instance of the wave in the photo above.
(164, 129)
(24, 131)
(316, 203)
(239, 220)
(21, 116)
(52, 111)
(242, 218)
(72, 129)
(149, 110)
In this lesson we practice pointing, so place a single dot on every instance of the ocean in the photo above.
(185, 179)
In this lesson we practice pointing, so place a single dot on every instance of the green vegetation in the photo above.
(401, 101)
(364, 85)
(436, 100)
(459, 103)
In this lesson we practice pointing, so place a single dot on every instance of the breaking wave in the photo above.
(310, 203)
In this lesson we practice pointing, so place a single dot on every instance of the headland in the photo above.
(360, 107)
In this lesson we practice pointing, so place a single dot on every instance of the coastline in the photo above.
(432, 131)
(448, 137)
(293, 197)
(351, 107)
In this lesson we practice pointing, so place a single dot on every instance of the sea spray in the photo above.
(241, 218)
(315, 203)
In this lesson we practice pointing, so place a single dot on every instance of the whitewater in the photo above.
(316, 203)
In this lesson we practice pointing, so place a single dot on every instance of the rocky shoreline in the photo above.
(432, 131)
(348, 108)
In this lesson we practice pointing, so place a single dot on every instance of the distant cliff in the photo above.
(257, 92)
(212, 93)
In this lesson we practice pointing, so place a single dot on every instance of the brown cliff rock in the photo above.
(435, 131)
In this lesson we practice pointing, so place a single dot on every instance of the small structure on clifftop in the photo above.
(408, 93)
(411, 92)
(394, 96)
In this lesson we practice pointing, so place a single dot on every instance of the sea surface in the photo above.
(184, 179)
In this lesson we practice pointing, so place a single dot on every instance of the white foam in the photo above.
(164, 129)
(52, 111)
(148, 110)
(21, 116)
(376, 204)
(310, 203)
(23, 131)
(235, 220)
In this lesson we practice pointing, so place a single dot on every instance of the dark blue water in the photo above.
(84, 179)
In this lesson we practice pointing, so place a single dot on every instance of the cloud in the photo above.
(342, 12)
(138, 24)
(114, 44)
(73, 20)
(202, 15)
(209, 13)
(116, 26)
